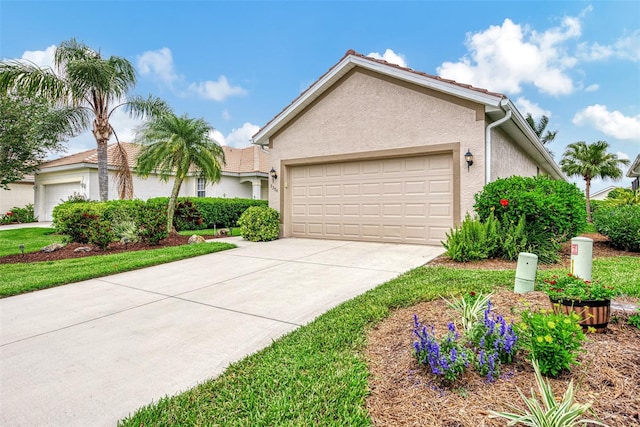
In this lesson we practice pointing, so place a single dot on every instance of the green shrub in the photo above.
(100, 233)
(552, 205)
(19, 215)
(212, 211)
(74, 219)
(260, 224)
(621, 224)
(470, 242)
(152, 223)
(553, 339)
(187, 216)
(514, 237)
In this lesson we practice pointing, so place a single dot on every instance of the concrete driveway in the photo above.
(90, 353)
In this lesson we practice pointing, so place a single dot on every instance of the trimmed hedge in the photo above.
(78, 219)
(621, 224)
(209, 211)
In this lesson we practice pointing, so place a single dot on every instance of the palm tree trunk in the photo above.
(102, 133)
(171, 208)
(587, 190)
(103, 171)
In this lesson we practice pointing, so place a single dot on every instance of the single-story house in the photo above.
(19, 194)
(244, 175)
(634, 172)
(377, 152)
(602, 194)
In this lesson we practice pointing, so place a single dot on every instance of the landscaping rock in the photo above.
(223, 232)
(52, 248)
(195, 239)
(82, 249)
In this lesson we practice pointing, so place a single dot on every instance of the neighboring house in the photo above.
(602, 194)
(374, 151)
(19, 195)
(634, 172)
(244, 175)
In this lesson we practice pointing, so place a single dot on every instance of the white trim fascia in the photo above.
(533, 138)
(634, 169)
(604, 190)
(351, 61)
(63, 168)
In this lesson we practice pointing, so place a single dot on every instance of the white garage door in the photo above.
(407, 200)
(56, 194)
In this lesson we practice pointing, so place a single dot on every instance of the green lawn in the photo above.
(316, 375)
(25, 277)
(33, 239)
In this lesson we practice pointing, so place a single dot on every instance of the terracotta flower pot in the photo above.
(594, 313)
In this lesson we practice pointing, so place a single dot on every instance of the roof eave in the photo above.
(634, 169)
(349, 62)
(534, 147)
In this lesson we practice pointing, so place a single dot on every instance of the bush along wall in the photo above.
(198, 213)
(102, 222)
(520, 214)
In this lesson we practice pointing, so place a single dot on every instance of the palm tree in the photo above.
(591, 161)
(175, 146)
(96, 87)
(540, 127)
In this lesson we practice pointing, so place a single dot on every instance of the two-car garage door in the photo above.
(407, 200)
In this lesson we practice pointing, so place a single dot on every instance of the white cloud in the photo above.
(238, 137)
(525, 106)
(626, 47)
(217, 136)
(241, 137)
(390, 56)
(158, 64)
(611, 123)
(592, 88)
(216, 90)
(622, 155)
(41, 58)
(504, 58)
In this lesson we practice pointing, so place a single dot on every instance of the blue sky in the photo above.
(238, 64)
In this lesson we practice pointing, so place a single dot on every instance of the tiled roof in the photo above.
(352, 52)
(238, 160)
(420, 73)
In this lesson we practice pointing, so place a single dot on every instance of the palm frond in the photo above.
(123, 177)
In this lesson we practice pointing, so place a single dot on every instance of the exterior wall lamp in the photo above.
(469, 158)
(273, 173)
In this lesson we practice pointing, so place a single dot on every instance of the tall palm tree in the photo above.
(591, 161)
(174, 146)
(540, 127)
(95, 86)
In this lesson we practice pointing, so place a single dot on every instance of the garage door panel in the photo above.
(351, 230)
(388, 200)
(440, 187)
(56, 194)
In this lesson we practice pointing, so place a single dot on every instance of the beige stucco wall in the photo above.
(19, 195)
(507, 159)
(365, 112)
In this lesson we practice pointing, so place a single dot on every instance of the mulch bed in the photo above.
(174, 239)
(404, 393)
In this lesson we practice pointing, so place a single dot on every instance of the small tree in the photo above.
(591, 161)
(175, 144)
(29, 130)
